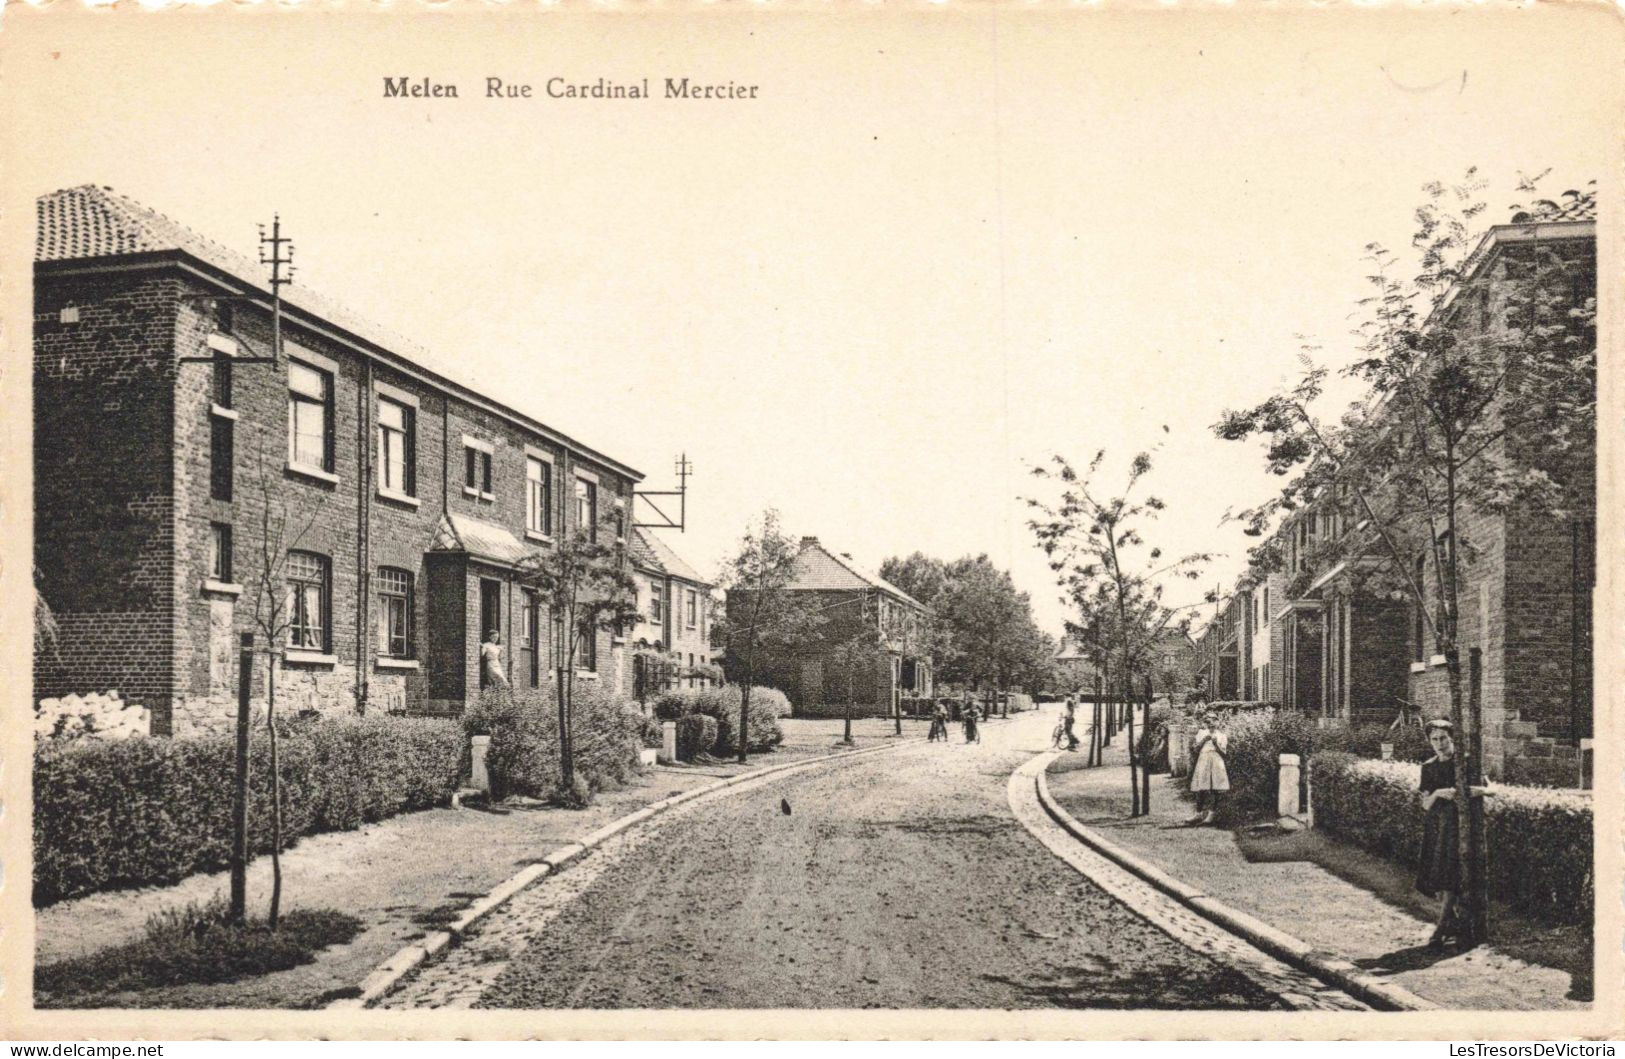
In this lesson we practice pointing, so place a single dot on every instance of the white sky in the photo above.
(939, 246)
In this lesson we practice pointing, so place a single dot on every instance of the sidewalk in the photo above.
(402, 877)
(1338, 899)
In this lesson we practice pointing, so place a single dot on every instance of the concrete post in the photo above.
(1286, 802)
(668, 740)
(478, 777)
(1178, 737)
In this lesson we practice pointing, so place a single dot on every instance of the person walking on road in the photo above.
(939, 723)
(1209, 777)
(972, 714)
(1070, 721)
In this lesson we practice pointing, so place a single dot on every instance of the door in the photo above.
(490, 615)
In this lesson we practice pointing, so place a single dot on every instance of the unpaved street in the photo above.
(897, 880)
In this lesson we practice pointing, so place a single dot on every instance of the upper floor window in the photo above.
(309, 599)
(220, 552)
(538, 495)
(587, 649)
(587, 507)
(220, 382)
(394, 612)
(656, 603)
(477, 468)
(310, 415)
(397, 472)
(693, 609)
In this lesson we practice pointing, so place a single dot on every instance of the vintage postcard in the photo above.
(990, 520)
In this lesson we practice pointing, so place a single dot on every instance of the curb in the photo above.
(1335, 970)
(388, 974)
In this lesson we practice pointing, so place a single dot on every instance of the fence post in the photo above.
(478, 777)
(668, 740)
(1286, 797)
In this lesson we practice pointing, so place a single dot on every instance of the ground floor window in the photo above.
(308, 600)
(394, 612)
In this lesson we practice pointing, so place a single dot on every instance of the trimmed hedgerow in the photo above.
(696, 734)
(1540, 844)
(524, 728)
(767, 706)
(151, 811)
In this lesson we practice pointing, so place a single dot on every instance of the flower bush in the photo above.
(148, 811)
(1540, 840)
(767, 706)
(524, 728)
(98, 716)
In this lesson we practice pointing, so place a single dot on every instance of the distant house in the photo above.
(674, 607)
(1077, 673)
(847, 595)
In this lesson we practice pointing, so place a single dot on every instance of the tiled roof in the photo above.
(1570, 206)
(818, 569)
(459, 533)
(655, 555)
(91, 221)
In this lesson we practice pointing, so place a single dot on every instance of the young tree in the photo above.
(1096, 546)
(763, 618)
(586, 582)
(864, 645)
(1482, 399)
(288, 611)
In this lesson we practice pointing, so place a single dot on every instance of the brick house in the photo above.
(847, 596)
(674, 602)
(393, 502)
(1348, 648)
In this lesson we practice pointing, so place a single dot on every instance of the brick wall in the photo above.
(123, 443)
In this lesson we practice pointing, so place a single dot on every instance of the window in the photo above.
(587, 650)
(222, 448)
(310, 411)
(587, 507)
(397, 472)
(538, 496)
(308, 600)
(693, 609)
(1419, 621)
(477, 470)
(220, 388)
(656, 603)
(394, 612)
(220, 552)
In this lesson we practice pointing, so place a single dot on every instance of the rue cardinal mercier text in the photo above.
(566, 88)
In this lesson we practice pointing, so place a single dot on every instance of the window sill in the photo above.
(618, 641)
(1436, 660)
(222, 412)
(539, 538)
(313, 473)
(221, 588)
(385, 662)
(298, 656)
(586, 674)
(1419, 667)
(477, 495)
(398, 498)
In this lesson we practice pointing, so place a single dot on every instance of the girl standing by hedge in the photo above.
(1440, 871)
(1209, 777)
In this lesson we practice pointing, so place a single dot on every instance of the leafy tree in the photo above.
(1096, 546)
(863, 646)
(587, 584)
(763, 617)
(1481, 399)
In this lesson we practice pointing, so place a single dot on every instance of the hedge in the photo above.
(696, 734)
(151, 811)
(524, 728)
(1256, 741)
(767, 706)
(1540, 844)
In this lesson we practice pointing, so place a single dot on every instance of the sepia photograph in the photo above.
(909, 521)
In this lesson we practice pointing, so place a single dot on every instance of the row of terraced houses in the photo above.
(1314, 636)
(177, 457)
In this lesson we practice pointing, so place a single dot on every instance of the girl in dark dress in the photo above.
(1440, 872)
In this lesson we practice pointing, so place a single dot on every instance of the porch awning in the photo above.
(480, 540)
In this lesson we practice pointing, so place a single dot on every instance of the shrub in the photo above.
(696, 734)
(649, 731)
(524, 729)
(1252, 759)
(194, 944)
(1540, 839)
(767, 705)
(150, 811)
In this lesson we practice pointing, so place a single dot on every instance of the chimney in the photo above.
(809, 542)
